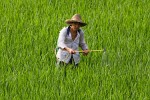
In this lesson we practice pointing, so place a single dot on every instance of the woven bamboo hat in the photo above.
(76, 19)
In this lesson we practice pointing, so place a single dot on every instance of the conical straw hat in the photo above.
(76, 19)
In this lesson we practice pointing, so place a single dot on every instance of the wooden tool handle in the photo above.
(91, 51)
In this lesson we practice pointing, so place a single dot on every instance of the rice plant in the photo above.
(28, 34)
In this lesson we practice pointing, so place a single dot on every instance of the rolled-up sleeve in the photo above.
(61, 38)
(82, 43)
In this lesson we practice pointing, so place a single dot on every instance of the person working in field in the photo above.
(69, 40)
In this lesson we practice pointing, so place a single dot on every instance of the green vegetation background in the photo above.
(28, 36)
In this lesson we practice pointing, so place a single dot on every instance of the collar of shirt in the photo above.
(76, 36)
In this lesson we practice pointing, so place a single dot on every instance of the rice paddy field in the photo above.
(28, 35)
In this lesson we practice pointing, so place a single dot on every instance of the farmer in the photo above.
(70, 38)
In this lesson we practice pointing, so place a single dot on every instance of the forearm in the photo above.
(71, 51)
(83, 46)
(82, 42)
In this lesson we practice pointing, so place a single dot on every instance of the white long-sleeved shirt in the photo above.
(65, 40)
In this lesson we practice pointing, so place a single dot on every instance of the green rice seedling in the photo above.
(28, 36)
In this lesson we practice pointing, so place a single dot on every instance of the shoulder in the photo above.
(81, 31)
(63, 30)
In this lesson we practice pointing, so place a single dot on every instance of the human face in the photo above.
(75, 26)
